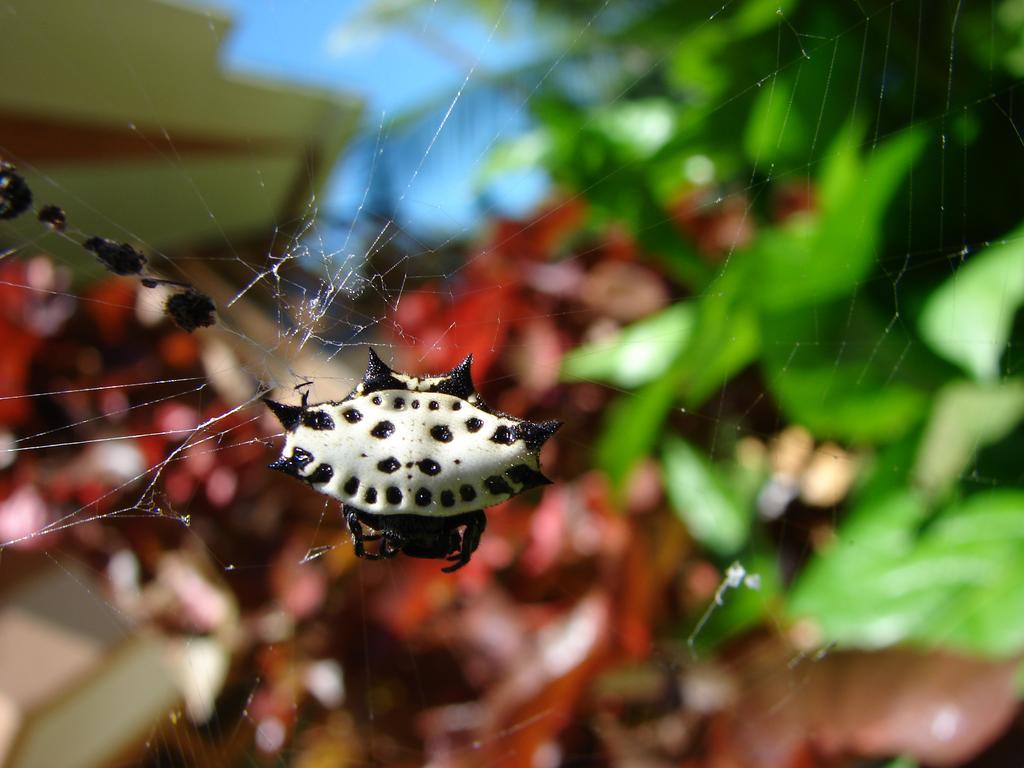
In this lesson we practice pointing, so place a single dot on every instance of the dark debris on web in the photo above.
(191, 309)
(53, 216)
(119, 258)
(15, 194)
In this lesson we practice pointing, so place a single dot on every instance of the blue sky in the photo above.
(328, 42)
(396, 68)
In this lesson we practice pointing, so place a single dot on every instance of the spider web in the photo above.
(148, 491)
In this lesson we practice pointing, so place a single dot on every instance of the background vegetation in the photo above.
(774, 297)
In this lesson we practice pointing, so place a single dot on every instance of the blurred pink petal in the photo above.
(22, 514)
(204, 605)
(221, 486)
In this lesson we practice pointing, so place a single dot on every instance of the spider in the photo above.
(414, 459)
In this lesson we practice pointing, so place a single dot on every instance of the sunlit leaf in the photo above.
(702, 498)
(842, 587)
(723, 339)
(635, 355)
(958, 582)
(965, 416)
(968, 318)
(524, 152)
(601, 161)
(638, 128)
(985, 612)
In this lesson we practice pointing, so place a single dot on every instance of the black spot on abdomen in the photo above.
(322, 474)
(428, 467)
(467, 492)
(441, 433)
(318, 420)
(503, 435)
(383, 429)
(474, 424)
(497, 485)
(352, 416)
(393, 494)
(371, 495)
(389, 465)
(351, 486)
(423, 497)
(447, 499)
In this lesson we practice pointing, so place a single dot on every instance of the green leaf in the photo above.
(812, 259)
(635, 355)
(1018, 680)
(965, 417)
(832, 401)
(524, 152)
(843, 371)
(851, 221)
(984, 536)
(957, 583)
(637, 128)
(739, 342)
(632, 427)
(724, 339)
(844, 589)
(702, 498)
(968, 318)
(693, 66)
(774, 130)
(757, 15)
(841, 166)
(902, 762)
(600, 159)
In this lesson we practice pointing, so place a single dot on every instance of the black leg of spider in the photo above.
(453, 538)
(304, 388)
(475, 523)
(388, 547)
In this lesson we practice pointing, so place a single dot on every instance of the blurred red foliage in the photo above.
(562, 642)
